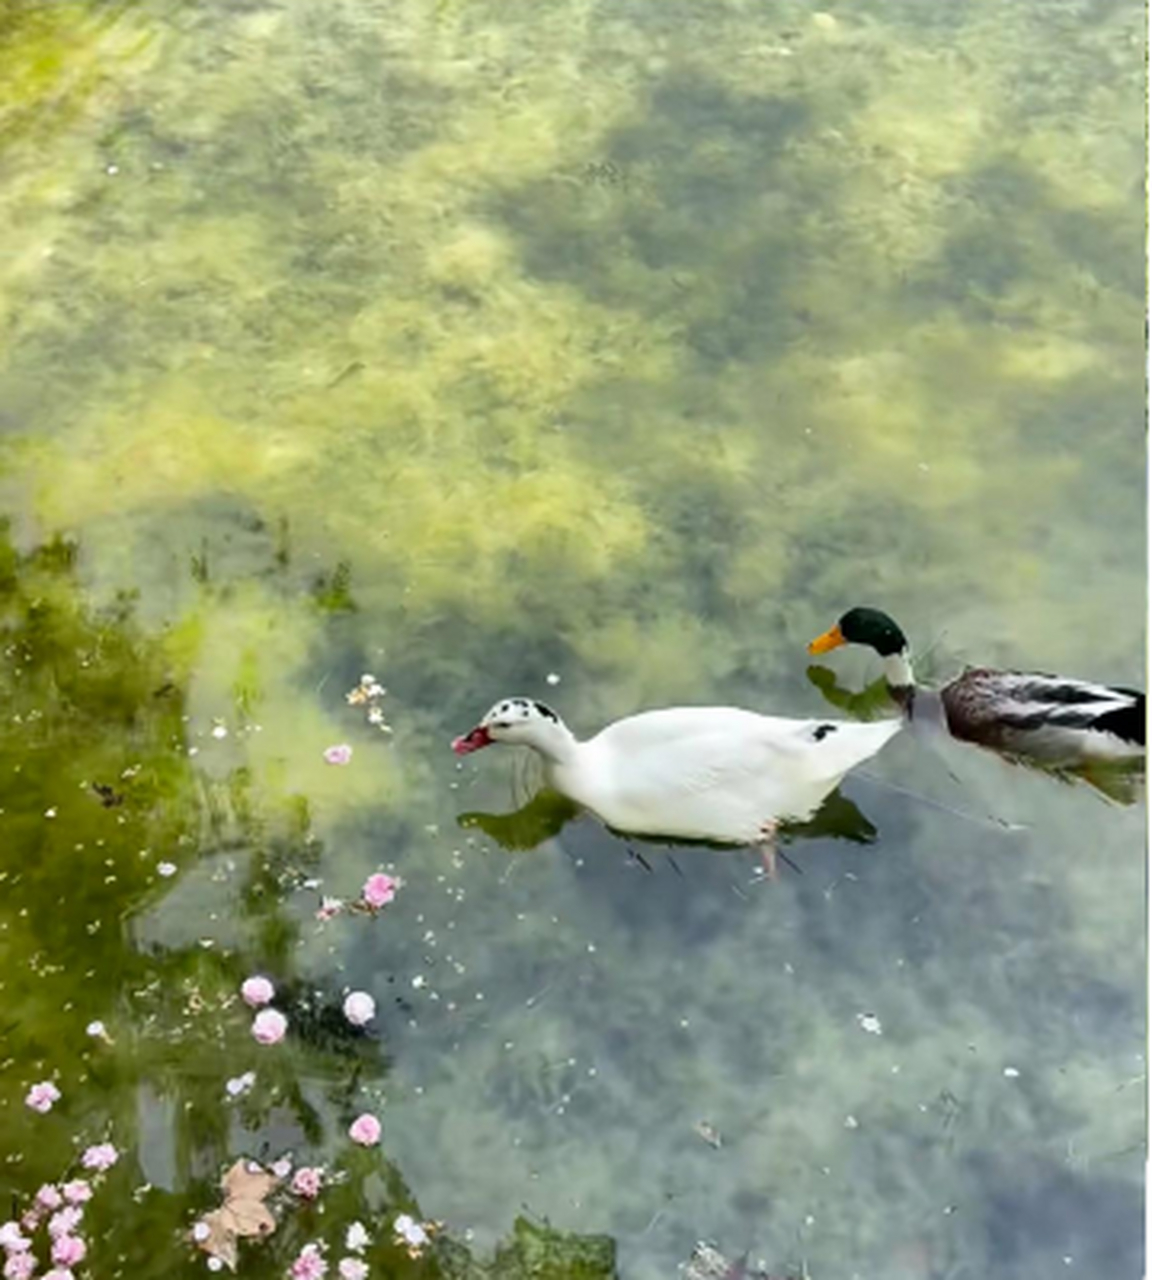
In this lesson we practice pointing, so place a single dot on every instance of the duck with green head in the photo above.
(1056, 720)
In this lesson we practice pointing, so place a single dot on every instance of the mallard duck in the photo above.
(715, 774)
(1052, 719)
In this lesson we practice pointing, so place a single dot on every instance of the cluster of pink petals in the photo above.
(100, 1157)
(68, 1250)
(310, 1264)
(269, 1026)
(42, 1097)
(19, 1266)
(353, 1269)
(65, 1203)
(49, 1197)
(379, 890)
(257, 991)
(365, 1130)
(12, 1239)
(307, 1183)
(65, 1222)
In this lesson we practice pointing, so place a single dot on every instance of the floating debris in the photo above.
(329, 907)
(871, 1023)
(708, 1133)
(1012, 1073)
(246, 1186)
(109, 797)
(414, 1236)
(356, 1238)
(238, 1086)
(367, 694)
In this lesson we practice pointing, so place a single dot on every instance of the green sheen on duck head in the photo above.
(862, 625)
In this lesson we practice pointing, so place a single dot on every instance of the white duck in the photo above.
(697, 773)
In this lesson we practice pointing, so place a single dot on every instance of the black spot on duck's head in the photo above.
(516, 720)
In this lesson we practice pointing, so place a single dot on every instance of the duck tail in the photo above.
(1104, 721)
(1128, 720)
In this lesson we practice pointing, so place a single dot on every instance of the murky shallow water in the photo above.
(470, 344)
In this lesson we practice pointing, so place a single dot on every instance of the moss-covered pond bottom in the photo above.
(364, 363)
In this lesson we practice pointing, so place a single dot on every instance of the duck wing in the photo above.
(718, 773)
(1052, 718)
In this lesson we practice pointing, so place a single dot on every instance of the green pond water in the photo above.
(603, 353)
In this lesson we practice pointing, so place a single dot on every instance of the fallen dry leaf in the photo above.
(246, 1186)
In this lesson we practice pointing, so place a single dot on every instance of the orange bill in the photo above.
(831, 639)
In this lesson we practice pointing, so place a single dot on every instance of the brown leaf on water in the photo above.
(248, 1181)
(246, 1186)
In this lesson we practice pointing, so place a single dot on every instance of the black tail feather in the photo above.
(1127, 723)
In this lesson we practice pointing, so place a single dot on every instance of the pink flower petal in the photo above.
(78, 1191)
(339, 754)
(65, 1222)
(100, 1158)
(12, 1239)
(365, 1130)
(42, 1097)
(269, 1026)
(379, 890)
(49, 1197)
(359, 1008)
(307, 1183)
(257, 991)
(19, 1266)
(310, 1264)
(68, 1250)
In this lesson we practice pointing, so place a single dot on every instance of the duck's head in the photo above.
(522, 722)
(861, 625)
